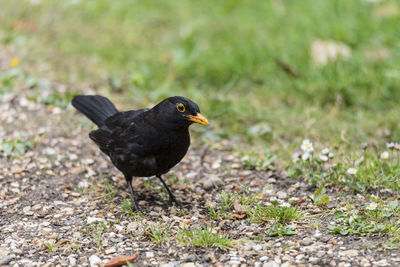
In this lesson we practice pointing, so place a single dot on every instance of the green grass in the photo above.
(204, 237)
(223, 55)
(160, 233)
(50, 245)
(376, 218)
(15, 147)
(96, 230)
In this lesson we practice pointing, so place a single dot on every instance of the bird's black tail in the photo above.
(97, 108)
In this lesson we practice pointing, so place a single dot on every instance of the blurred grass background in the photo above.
(246, 63)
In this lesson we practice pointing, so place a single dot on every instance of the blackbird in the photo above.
(143, 142)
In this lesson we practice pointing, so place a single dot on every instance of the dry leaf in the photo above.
(239, 216)
(121, 260)
(185, 224)
(238, 208)
(59, 243)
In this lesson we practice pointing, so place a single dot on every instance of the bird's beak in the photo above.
(198, 118)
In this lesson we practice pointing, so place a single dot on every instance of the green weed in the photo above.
(160, 234)
(204, 237)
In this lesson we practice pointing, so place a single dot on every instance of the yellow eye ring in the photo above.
(180, 107)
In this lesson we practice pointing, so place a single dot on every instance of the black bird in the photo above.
(142, 142)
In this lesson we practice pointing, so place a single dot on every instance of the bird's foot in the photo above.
(172, 199)
(137, 208)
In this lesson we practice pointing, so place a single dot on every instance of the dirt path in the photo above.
(62, 204)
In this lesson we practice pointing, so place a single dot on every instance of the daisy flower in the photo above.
(323, 157)
(307, 146)
(325, 151)
(351, 171)
(396, 146)
(385, 155)
(295, 156)
(305, 156)
(372, 206)
(390, 145)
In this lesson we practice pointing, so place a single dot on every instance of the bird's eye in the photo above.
(180, 107)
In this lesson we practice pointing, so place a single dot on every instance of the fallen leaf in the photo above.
(59, 243)
(239, 216)
(121, 260)
(185, 224)
(238, 207)
(298, 202)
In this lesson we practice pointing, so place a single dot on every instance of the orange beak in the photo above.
(198, 118)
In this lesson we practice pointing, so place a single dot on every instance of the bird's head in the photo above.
(180, 111)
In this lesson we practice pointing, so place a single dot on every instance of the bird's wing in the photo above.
(119, 137)
(121, 120)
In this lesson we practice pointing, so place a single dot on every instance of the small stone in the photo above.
(27, 211)
(187, 264)
(94, 260)
(171, 264)
(257, 247)
(190, 258)
(212, 182)
(380, 263)
(348, 253)
(270, 264)
(110, 251)
(365, 263)
(264, 258)
(149, 254)
(6, 260)
(72, 261)
(299, 257)
(281, 195)
(94, 219)
(307, 241)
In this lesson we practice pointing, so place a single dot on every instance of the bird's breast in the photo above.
(174, 152)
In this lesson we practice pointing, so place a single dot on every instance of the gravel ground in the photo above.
(64, 193)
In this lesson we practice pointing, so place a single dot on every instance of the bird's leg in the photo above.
(135, 205)
(172, 198)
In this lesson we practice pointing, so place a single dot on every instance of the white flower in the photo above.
(325, 151)
(331, 155)
(305, 156)
(352, 171)
(295, 156)
(385, 155)
(285, 205)
(396, 146)
(390, 145)
(372, 206)
(307, 146)
(323, 157)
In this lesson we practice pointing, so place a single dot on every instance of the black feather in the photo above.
(96, 108)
